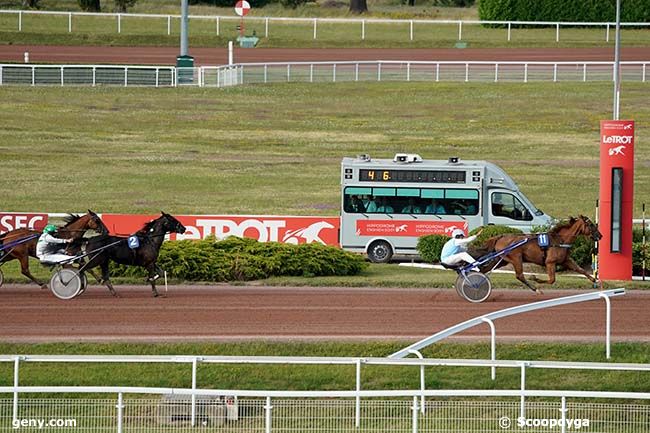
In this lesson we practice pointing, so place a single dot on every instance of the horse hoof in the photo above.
(155, 294)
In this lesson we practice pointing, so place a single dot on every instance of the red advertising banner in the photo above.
(15, 220)
(616, 199)
(287, 229)
(408, 227)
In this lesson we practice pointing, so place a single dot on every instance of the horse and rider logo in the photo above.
(618, 150)
(308, 234)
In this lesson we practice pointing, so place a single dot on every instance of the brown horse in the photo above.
(561, 237)
(75, 227)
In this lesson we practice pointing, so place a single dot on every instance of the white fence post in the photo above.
(169, 25)
(642, 75)
(311, 73)
(555, 73)
(411, 29)
(16, 378)
(70, 22)
(288, 72)
(157, 76)
(0, 75)
(356, 72)
(126, 76)
(437, 72)
(357, 401)
(334, 72)
(119, 23)
(33, 75)
(608, 325)
(422, 382)
(217, 26)
(408, 71)
(267, 410)
(193, 422)
(526, 73)
(266, 28)
(20, 21)
(62, 75)
(460, 30)
(466, 72)
(315, 21)
(266, 73)
(607, 34)
(414, 408)
(522, 401)
(584, 72)
(120, 411)
(493, 345)
(363, 29)
(509, 26)
(557, 32)
(496, 73)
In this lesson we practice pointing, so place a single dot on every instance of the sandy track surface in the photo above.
(219, 56)
(222, 313)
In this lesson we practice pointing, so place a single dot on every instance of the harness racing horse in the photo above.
(75, 227)
(119, 250)
(561, 237)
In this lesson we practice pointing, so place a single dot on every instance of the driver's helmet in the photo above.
(457, 233)
(50, 228)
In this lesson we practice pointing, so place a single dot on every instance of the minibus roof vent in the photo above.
(453, 160)
(407, 158)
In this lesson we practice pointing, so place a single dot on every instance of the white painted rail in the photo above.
(490, 317)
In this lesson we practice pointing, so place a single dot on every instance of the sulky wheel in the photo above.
(84, 283)
(474, 286)
(66, 283)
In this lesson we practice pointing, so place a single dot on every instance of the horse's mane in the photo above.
(562, 225)
(148, 226)
(70, 218)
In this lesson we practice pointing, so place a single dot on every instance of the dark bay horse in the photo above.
(75, 227)
(561, 238)
(117, 248)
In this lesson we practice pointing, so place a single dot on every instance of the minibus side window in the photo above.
(508, 206)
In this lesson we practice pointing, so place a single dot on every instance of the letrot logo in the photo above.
(617, 150)
(309, 234)
(617, 139)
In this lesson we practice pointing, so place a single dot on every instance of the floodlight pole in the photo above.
(617, 63)
(184, 25)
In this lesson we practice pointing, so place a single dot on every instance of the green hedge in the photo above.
(563, 10)
(237, 259)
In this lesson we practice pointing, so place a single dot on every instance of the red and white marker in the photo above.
(242, 7)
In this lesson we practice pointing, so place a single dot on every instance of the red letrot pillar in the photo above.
(616, 199)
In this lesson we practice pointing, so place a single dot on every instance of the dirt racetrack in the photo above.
(219, 56)
(222, 313)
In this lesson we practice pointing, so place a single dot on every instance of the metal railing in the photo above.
(168, 22)
(311, 411)
(317, 72)
(195, 393)
(87, 75)
(442, 71)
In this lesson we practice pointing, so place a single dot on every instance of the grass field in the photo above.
(329, 377)
(276, 149)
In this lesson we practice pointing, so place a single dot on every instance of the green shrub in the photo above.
(563, 10)
(430, 246)
(491, 231)
(238, 259)
(582, 251)
(639, 252)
